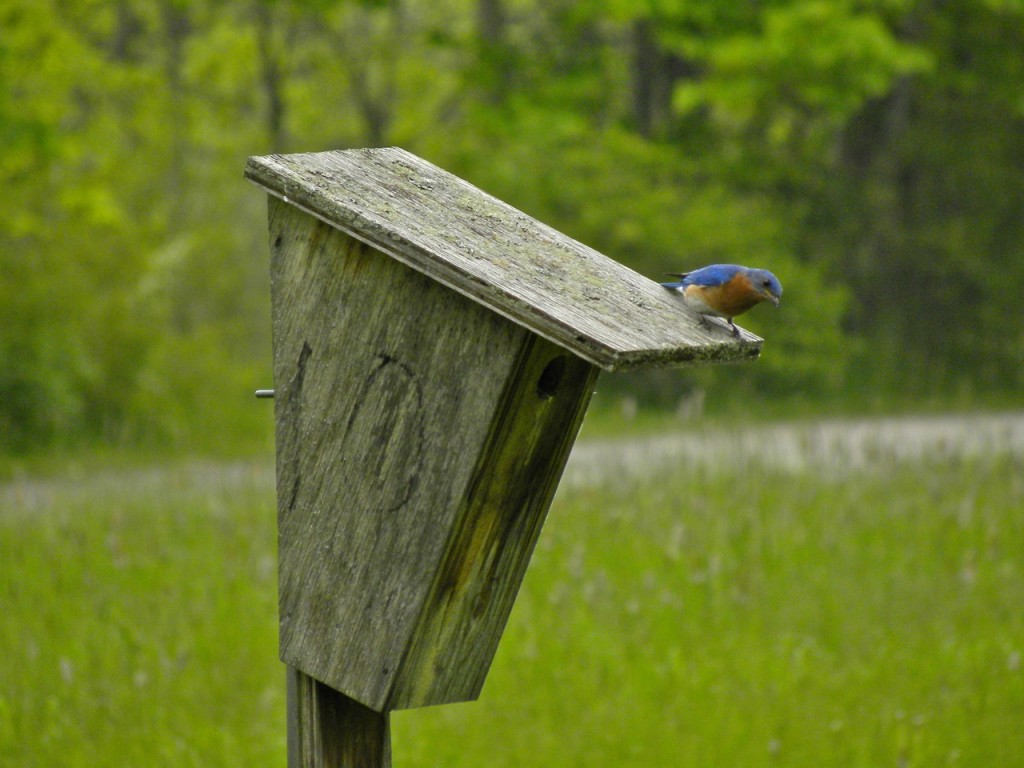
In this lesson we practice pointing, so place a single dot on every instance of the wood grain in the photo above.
(383, 404)
(327, 729)
(530, 436)
(498, 256)
(420, 438)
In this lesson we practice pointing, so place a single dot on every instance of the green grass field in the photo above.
(730, 615)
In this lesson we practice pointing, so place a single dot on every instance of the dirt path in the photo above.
(837, 445)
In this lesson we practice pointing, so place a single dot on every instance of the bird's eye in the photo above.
(767, 283)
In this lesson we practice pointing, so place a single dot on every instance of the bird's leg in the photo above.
(735, 330)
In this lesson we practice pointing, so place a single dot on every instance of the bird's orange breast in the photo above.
(730, 299)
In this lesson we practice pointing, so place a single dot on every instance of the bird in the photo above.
(725, 290)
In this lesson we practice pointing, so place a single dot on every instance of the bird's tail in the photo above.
(676, 284)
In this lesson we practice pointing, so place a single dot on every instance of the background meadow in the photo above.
(729, 612)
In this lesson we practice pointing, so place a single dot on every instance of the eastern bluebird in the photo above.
(726, 290)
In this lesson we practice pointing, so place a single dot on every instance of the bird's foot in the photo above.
(735, 330)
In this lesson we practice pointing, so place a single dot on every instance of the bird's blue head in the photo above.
(766, 284)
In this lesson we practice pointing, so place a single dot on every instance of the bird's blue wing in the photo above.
(715, 274)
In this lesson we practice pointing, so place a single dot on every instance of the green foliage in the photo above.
(807, 62)
(868, 153)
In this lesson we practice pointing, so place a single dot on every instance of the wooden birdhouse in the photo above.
(434, 353)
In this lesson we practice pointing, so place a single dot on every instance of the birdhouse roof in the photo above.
(464, 238)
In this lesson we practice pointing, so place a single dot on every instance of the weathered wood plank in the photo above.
(385, 400)
(327, 729)
(513, 483)
(498, 256)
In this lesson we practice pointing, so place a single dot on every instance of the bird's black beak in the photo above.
(774, 300)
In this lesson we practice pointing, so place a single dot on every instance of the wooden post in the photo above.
(435, 351)
(327, 729)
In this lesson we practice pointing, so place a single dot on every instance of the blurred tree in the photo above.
(923, 216)
(869, 152)
(64, 345)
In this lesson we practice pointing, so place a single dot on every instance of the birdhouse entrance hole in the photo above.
(550, 378)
